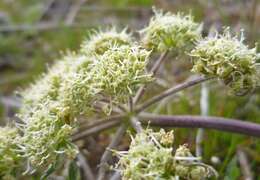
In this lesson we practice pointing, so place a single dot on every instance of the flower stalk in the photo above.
(170, 91)
(216, 123)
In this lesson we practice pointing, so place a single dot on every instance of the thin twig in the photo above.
(117, 107)
(88, 174)
(158, 63)
(99, 8)
(217, 123)
(204, 108)
(136, 124)
(114, 108)
(130, 104)
(153, 71)
(170, 92)
(96, 122)
(116, 176)
(199, 140)
(46, 8)
(96, 129)
(73, 12)
(107, 154)
(244, 165)
(43, 26)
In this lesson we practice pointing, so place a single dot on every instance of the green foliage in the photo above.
(167, 31)
(233, 171)
(73, 172)
(227, 58)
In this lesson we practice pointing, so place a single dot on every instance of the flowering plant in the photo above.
(110, 71)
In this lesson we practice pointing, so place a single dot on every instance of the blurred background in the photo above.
(33, 34)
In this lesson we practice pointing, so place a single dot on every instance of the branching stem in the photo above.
(96, 129)
(170, 92)
(96, 122)
(153, 71)
(88, 174)
(136, 124)
(217, 123)
(107, 154)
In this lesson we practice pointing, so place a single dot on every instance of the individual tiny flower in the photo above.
(121, 70)
(168, 31)
(101, 41)
(229, 59)
(10, 159)
(150, 156)
(46, 137)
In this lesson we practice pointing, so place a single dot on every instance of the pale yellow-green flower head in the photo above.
(68, 90)
(150, 156)
(10, 160)
(46, 138)
(147, 158)
(168, 31)
(46, 88)
(77, 95)
(184, 168)
(121, 70)
(48, 120)
(227, 58)
(78, 89)
(101, 41)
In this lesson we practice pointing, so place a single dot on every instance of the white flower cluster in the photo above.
(69, 89)
(229, 59)
(151, 156)
(167, 31)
